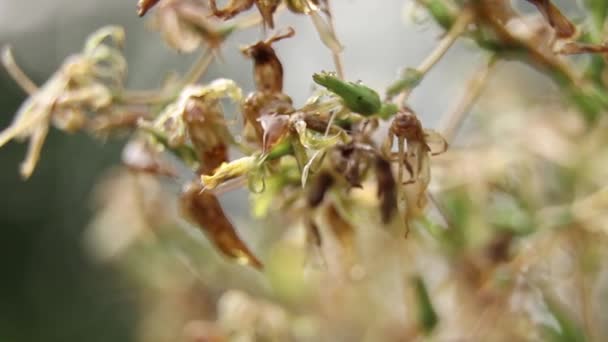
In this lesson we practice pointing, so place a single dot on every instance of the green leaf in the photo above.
(569, 330)
(427, 316)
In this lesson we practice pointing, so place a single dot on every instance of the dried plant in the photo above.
(507, 228)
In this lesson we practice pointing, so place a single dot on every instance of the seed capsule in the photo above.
(268, 71)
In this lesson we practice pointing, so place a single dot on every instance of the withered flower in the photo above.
(421, 144)
(261, 104)
(268, 71)
(83, 84)
(197, 117)
(203, 209)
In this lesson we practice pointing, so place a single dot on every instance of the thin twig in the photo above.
(452, 121)
(198, 68)
(336, 55)
(465, 17)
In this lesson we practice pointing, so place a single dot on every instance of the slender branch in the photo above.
(336, 55)
(452, 121)
(199, 68)
(465, 17)
(460, 25)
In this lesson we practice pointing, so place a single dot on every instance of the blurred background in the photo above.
(50, 289)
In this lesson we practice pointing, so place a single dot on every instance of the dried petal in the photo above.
(302, 6)
(387, 189)
(342, 230)
(321, 184)
(258, 105)
(138, 156)
(143, 6)
(313, 140)
(574, 48)
(435, 142)
(227, 171)
(204, 210)
(267, 9)
(233, 8)
(276, 128)
(327, 35)
(35, 147)
(563, 27)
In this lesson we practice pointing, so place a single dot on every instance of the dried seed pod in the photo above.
(260, 104)
(268, 71)
(387, 189)
(563, 27)
(203, 209)
(316, 193)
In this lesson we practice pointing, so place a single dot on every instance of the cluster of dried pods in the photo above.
(327, 140)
